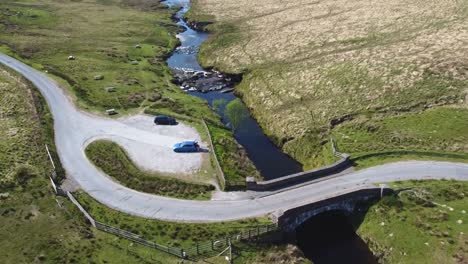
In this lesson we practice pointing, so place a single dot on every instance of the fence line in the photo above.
(88, 216)
(53, 185)
(199, 250)
(336, 153)
(221, 178)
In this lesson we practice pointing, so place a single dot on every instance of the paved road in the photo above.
(74, 128)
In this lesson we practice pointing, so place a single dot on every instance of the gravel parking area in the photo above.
(152, 149)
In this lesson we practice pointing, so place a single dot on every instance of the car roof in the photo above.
(161, 116)
(189, 143)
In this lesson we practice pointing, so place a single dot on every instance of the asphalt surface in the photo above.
(75, 128)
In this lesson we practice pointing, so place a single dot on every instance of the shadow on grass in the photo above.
(411, 152)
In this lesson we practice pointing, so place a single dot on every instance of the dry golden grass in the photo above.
(315, 61)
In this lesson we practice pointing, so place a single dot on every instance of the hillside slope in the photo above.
(313, 65)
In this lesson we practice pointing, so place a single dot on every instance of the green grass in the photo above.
(439, 133)
(411, 221)
(114, 161)
(103, 35)
(186, 235)
(101, 40)
(233, 159)
(300, 80)
(32, 225)
(166, 233)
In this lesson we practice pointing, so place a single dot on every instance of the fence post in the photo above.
(198, 249)
(249, 234)
(221, 177)
(50, 156)
(212, 245)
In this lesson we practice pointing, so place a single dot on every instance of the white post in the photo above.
(50, 157)
(230, 251)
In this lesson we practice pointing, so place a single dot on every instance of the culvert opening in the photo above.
(330, 238)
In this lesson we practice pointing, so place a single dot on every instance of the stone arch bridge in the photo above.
(289, 220)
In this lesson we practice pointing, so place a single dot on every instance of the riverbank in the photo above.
(426, 223)
(215, 87)
(306, 83)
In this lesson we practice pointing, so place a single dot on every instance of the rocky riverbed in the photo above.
(204, 81)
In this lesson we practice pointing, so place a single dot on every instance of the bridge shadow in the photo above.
(326, 238)
(326, 230)
(330, 237)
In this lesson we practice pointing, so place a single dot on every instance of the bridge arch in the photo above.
(289, 220)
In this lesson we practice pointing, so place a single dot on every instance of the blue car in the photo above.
(186, 146)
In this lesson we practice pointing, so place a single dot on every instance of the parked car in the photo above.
(164, 120)
(186, 146)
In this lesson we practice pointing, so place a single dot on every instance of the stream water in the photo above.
(327, 238)
(267, 157)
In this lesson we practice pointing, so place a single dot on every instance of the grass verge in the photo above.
(439, 133)
(425, 224)
(166, 233)
(114, 161)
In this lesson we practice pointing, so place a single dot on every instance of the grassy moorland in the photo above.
(116, 43)
(102, 35)
(33, 227)
(38, 227)
(312, 66)
(426, 224)
(440, 133)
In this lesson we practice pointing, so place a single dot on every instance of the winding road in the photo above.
(74, 129)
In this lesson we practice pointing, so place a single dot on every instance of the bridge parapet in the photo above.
(300, 177)
(288, 180)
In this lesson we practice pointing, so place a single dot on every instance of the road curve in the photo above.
(74, 128)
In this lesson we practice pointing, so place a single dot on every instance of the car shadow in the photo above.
(203, 150)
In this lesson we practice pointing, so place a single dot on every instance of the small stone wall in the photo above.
(301, 177)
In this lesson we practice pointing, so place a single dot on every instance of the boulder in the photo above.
(111, 111)
(110, 89)
(99, 77)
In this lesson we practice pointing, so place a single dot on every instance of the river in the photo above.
(269, 160)
(327, 238)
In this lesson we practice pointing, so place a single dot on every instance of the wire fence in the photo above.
(336, 152)
(199, 250)
(214, 247)
(221, 178)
